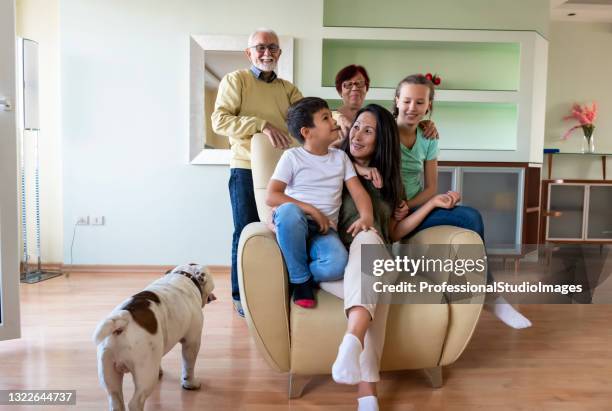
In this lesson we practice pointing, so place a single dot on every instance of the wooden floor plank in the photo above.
(563, 363)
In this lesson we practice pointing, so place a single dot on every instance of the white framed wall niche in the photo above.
(210, 58)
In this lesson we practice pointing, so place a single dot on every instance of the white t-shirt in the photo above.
(316, 180)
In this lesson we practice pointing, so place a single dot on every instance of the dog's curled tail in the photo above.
(114, 324)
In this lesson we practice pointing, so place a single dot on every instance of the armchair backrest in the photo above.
(263, 162)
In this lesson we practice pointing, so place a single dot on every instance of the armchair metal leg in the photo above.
(297, 384)
(434, 375)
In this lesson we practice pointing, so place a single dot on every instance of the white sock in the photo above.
(368, 363)
(346, 367)
(369, 403)
(508, 314)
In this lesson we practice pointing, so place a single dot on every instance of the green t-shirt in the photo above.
(413, 163)
(348, 213)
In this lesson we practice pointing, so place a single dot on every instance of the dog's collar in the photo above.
(191, 277)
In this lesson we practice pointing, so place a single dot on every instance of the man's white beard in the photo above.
(266, 67)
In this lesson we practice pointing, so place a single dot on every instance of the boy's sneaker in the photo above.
(303, 294)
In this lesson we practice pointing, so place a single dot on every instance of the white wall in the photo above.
(39, 20)
(579, 67)
(125, 115)
(125, 126)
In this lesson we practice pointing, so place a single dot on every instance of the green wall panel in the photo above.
(531, 15)
(476, 126)
(462, 66)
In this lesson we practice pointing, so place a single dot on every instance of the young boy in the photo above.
(307, 189)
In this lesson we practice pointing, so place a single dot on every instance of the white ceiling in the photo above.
(585, 10)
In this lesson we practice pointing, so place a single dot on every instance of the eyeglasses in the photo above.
(261, 48)
(348, 85)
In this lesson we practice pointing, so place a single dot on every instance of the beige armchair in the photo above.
(304, 342)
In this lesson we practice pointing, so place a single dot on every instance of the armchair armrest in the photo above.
(264, 294)
(463, 317)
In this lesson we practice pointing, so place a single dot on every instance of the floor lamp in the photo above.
(29, 121)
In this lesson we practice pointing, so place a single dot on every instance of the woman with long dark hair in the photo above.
(373, 141)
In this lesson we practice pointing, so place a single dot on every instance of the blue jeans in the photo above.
(244, 212)
(460, 216)
(306, 251)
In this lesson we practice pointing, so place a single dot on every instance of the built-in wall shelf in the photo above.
(484, 65)
(491, 103)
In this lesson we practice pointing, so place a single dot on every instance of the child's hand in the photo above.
(401, 212)
(455, 196)
(370, 173)
(361, 224)
(270, 220)
(321, 220)
(430, 131)
(442, 201)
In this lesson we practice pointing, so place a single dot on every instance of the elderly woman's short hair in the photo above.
(349, 72)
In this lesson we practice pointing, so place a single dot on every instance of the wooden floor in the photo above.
(563, 363)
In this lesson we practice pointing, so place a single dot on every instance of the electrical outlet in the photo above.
(83, 220)
(97, 220)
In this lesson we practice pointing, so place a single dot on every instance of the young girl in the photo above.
(414, 98)
(373, 142)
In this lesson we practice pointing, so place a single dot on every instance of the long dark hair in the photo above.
(414, 79)
(387, 154)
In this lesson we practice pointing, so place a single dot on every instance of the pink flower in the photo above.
(585, 116)
(568, 132)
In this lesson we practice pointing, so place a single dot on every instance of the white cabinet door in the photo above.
(9, 262)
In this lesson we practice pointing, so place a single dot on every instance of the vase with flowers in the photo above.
(585, 116)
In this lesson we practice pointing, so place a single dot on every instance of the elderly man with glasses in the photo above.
(249, 102)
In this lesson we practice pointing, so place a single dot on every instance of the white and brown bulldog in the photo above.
(140, 331)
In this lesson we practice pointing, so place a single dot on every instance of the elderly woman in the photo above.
(352, 84)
